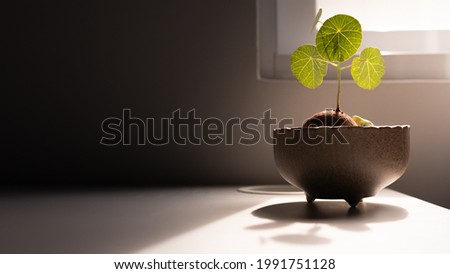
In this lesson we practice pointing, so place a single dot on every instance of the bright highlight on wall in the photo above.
(392, 15)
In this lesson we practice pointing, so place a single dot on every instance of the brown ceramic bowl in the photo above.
(341, 162)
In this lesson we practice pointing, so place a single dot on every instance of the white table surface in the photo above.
(218, 220)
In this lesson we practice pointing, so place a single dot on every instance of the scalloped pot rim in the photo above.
(345, 127)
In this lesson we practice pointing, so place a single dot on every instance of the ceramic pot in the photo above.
(341, 162)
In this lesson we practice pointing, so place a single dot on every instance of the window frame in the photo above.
(401, 65)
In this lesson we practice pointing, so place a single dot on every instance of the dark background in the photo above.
(71, 64)
(68, 65)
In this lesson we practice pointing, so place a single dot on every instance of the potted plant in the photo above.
(333, 155)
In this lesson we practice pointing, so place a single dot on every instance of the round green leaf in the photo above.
(339, 38)
(368, 68)
(308, 66)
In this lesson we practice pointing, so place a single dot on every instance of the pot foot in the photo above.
(353, 202)
(309, 199)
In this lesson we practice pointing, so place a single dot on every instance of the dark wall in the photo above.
(72, 64)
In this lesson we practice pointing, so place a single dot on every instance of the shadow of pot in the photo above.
(341, 162)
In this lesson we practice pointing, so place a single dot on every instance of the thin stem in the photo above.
(327, 62)
(346, 67)
(339, 85)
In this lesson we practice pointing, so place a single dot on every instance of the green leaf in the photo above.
(308, 66)
(339, 38)
(316, 19)
(368, 68)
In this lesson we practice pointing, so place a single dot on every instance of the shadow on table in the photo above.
(118, 220)
(334, 213)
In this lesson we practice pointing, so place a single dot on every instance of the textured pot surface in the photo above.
(341, 162)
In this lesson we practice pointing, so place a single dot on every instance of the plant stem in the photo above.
(327, 62)
(339, 85)
(346, 67)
